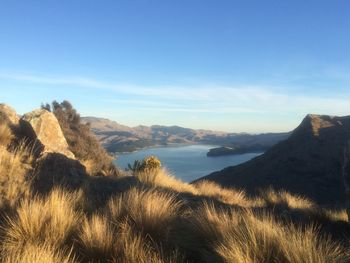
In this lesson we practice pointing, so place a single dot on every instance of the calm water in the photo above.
(186, 162)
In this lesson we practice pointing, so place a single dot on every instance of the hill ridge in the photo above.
(309, 162)
(116, 137)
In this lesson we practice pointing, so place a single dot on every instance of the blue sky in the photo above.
(246, 65)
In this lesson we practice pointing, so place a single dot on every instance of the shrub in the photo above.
(147, 170)
(150, 163)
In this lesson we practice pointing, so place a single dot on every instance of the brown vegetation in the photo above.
(81, 141)
(150, 216)
(150, 223)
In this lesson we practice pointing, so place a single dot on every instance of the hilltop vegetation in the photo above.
(146, 215)
(80, 140)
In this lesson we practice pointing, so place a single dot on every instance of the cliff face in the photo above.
(309, 162)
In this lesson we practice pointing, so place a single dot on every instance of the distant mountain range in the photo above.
(116, 137)
(309, 162)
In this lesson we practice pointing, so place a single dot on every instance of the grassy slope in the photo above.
(157, 218)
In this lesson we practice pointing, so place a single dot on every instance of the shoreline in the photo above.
(160, 146)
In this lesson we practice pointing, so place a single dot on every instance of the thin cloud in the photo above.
(206, 98)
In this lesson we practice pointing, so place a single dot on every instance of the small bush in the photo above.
(151, 163)
(147, 170)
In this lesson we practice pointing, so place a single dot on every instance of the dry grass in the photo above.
(134, 248)
(162, 178)
(33, 253)
(336, 214)
(154, 219)
(14, 169)
(151, 222)
(50, 221)
(228, 196)
(141, 225)
(129, 229)
(97, 237)
(150, 211)
(246, 237)
(6, 135)
(285, 200)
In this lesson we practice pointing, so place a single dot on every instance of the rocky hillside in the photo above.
(52, 209)
(309, 162)
(120, 138)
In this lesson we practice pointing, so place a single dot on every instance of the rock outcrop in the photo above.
(309, 162)
(55, 164)
(8, 114)
(53, 169)
(43, 126)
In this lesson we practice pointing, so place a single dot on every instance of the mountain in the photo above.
(116, 137)
(309, 162)
(52, 209)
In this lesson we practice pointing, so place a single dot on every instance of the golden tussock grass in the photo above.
(246, 237)
(51, 220)
(336, 214)
(34, 253)
(6, 135)
(132, 229)
(97, 237)
(162, 178)
(285, 199)
(151, 211)
(153, 222)
(134, 248)
(14, 170)
(228, 196)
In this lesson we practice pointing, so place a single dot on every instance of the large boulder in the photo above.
(43, 126)
(8, 114)
(55, 169)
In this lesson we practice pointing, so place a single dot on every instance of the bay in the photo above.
(187, 162)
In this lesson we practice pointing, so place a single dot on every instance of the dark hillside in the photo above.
(309, 162)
